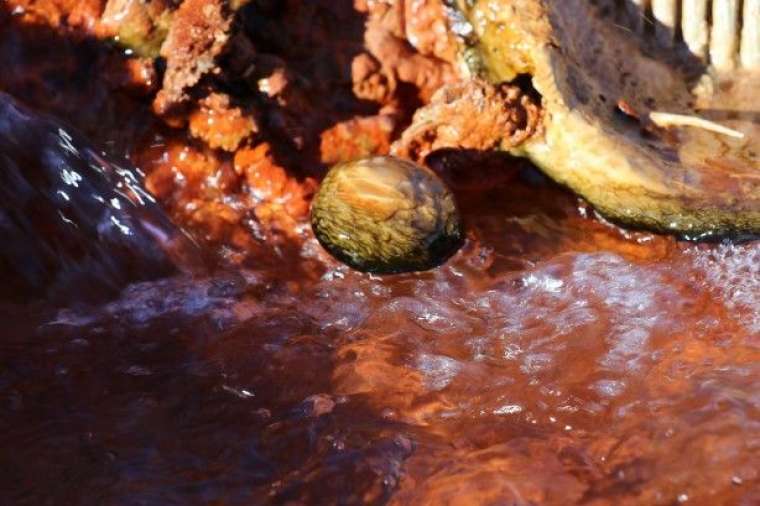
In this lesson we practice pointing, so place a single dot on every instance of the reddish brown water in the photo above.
(555, 360)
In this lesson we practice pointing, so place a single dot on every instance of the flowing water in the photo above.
(554, 360)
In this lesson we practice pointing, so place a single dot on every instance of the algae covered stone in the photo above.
(139, 25)
(386, 215)
(604, 89)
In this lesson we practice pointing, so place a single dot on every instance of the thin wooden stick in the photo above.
(666, 119)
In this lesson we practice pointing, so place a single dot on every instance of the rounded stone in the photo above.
(386, 215)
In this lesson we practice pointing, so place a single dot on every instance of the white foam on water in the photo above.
(438, 370)
(508, 409)
(733, 272)
(609, 388)
(430, 314)
(543, 282)
(596, 295)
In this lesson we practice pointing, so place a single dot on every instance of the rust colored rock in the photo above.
(357, 138)
(280, 201)
(136, 76)
(674, 169)
(369, 80)
(72, 15)
(426, 28)
(199, 31)
(221, 125)
(265, 179)
(139, 25)
(384, 39)
(471, 115)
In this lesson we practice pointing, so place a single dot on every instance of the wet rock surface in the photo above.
(386, 215)
(472, 115)
(75, 225)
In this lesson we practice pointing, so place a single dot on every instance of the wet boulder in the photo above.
(75, 225)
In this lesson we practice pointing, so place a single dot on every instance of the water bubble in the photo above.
(508, 409)
(438, 370)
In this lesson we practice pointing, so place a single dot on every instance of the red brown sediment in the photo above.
(192, 184)
(390, 40)
(217, 198)
(136, 76)
(269, 182)
(369, 80)
(198, 33)
(426, 28)
(75, 16)
(280, 201)
(177, 171)
(357, 138)
(219, 124)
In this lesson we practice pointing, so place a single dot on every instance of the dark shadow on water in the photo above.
(315, 43)
(76, 78)
(166, 397)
